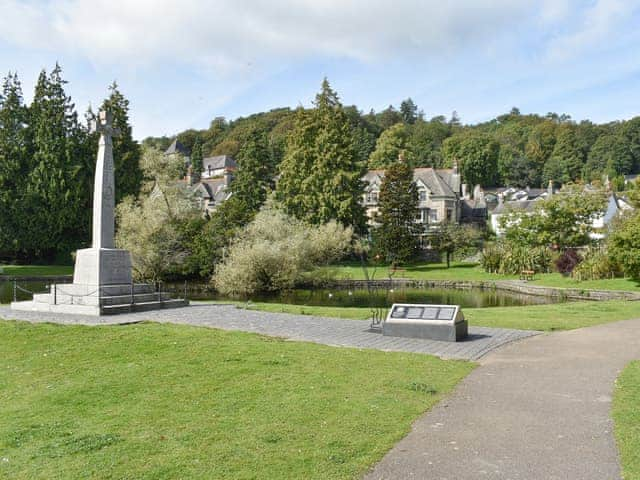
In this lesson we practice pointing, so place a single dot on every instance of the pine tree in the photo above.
(409, 111)
(396, 237)
(15, 153)
(320, 173)
(126, 151)
(255, 172)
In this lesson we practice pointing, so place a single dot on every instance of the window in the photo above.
(433, 216)
(449, 214)
(372, 197)
(422, 195)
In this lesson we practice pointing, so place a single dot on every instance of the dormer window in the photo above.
(372, 196)
(422, 195)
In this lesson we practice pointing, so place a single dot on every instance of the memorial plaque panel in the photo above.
(434, 322)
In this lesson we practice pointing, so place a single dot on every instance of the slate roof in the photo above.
(214, 189)
(523, 205)
(177, 147)
(441, 183)
(218, 162)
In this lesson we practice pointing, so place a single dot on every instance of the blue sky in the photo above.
(183, 63)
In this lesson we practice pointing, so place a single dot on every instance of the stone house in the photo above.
(211, 186)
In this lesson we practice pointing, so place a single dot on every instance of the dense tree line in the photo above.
(47, 162)
(513, 149)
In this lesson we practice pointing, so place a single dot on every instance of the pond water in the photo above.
(469, 298)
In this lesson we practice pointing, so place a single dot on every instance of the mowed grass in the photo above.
(626, 416)
(35, 270)
(474, 272)
(151, 401)
(559, 316)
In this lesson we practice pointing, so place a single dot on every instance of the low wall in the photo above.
(507, 285)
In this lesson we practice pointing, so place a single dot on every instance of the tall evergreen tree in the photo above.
(197, 156)
(409, 111)
(54, 197)
(255, 172)
(320, 173)
(396, 237)
(15, 154)
(126, 151)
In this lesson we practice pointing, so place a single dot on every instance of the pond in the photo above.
(469, 298)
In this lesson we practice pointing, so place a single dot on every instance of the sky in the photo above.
(183, 63)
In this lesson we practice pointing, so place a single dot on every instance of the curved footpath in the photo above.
(534, 409)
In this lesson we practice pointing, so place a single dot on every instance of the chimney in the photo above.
(476, 192)
(189, 177)
(455, 166)
(228, 177)
(464, 191)
(209, 170)
(550, 188)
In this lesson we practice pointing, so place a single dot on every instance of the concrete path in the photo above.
(537, 410)
(328, 331)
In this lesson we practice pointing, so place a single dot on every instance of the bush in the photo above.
(276, 252)
(566, 262)
(596, 265)
(509, 258)
(624, 244)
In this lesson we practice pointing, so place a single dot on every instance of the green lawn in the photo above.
(428, 271)
(473, 272)
(35, 270)
(560, 316)
(626, 416)
(151, 401)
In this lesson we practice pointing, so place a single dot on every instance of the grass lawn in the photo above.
(35, 270)
(473, 272)
(626, 416)
(151, 401)
(560, 316)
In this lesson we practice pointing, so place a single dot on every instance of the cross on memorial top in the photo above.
(104, 124)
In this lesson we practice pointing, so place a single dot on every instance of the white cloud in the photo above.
(596, 24)
(230, 34)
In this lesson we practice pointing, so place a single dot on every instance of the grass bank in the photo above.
(626, 416)
(473, 272)
(560, 316)
(35, 270)
(151, 401)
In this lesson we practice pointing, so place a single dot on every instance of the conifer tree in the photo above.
(255, 172)
(197, 156)
(567, 160)
(54, 198)
(320, 173)
(396, 237)
(15, 152)
(126, 151)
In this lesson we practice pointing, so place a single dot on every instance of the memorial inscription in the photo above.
(434, 322)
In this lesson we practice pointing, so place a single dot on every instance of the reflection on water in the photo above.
(470, 298)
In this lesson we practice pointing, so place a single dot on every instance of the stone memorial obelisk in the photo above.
(102, 280)
(103, 264)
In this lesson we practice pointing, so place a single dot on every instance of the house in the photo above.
(217, 166)
(437, 197)
(512, 200)
(211, 186)
(177, 148)
(616, 206)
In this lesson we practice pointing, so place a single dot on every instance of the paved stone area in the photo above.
(538, 409)
(328, 331)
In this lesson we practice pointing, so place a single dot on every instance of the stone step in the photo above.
(143, 307)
